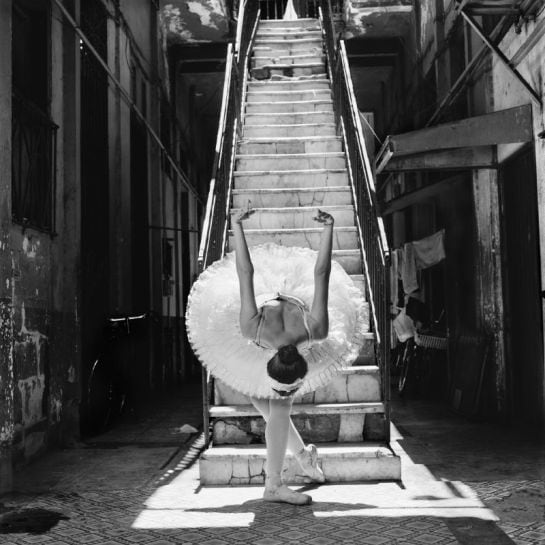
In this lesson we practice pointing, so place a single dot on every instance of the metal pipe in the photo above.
(130, 102)
(479, 31)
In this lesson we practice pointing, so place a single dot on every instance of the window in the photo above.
(33, 132)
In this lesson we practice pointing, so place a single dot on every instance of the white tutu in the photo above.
(212, 319)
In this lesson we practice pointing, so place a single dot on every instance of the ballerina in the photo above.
(281, 324)
(273, 322)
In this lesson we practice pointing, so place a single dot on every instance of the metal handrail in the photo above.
(371, 231)
(216, 219)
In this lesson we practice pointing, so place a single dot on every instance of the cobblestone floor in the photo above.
(463, 482)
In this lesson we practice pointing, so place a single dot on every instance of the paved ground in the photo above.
(463, 482)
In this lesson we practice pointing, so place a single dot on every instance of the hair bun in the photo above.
(289, 353)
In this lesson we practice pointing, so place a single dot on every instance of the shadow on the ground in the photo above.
(28, 521)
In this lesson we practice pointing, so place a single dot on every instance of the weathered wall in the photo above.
(44, 288)
(527, 50)
(196, 21)
(6, 285)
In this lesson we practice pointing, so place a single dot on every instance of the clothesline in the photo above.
(412, 257)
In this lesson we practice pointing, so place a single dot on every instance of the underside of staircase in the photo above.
(290, 161)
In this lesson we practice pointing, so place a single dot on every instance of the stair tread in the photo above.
(301, 209)
(285, 125)
(287, 83)
(284, 139)
(290, 171)
(284, 114)
(367, 449)
(291, 155)
(232, 411)
(298, 102)
(360, 369)
(294, 189)
(271, 38)
(298, 230)
(294, 65)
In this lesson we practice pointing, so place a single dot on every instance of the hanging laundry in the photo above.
(430, 250)
(403, 326)
(408, 269)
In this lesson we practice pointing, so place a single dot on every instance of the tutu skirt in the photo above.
(212, 319)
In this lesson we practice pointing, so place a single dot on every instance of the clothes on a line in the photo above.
(412, 257)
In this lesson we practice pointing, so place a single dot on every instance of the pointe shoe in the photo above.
(308, 461)
(283, 494)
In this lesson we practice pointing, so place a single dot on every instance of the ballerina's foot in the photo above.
(308, 461)
(283, 494)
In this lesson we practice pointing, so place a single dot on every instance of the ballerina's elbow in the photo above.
(245, 269)
(322, 270)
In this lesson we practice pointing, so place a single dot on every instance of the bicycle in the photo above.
(414, 358)
(109, 388)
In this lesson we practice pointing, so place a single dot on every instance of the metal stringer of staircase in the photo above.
(290, 140)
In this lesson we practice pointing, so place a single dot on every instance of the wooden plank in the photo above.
(509, 126)
(419, 195)
(453, 159)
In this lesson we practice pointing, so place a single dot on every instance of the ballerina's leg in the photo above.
(276, 438)
(295, 441)
(306, 456)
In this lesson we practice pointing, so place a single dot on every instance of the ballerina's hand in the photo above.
(324, 217)
(241, 214)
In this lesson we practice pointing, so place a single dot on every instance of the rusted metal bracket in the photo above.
(497, 51)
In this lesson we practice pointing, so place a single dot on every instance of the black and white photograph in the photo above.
(272, 272)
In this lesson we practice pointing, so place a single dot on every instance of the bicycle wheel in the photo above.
(404, 366)
(100, 389)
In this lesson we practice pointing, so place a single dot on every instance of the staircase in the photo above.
(289, 162)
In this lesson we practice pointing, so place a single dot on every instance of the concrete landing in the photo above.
(243, 465)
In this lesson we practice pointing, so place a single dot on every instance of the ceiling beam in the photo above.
(419, 195)
(510, 126)
(453, 159)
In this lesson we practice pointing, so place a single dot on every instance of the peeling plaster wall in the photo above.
(196, 21)
(6, 284)
(527, 50)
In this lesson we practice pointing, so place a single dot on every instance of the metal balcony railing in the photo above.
(214, 233)
(372, 235)
(34, 147)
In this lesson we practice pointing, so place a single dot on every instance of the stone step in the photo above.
(359, 280)
(314, 428)
(281, 34)
(299, 106)
(301, 409)
(286, 29)
(304, 22)
(344, 238)
(297, 196)
(245, 464)
(288, 59)
(288, 96)
(286, 70)
(301, 44)
(290, 179)
(290, 161)
(301, 84)
(301, 129)
(298, 217)
(359, 383)
(290, 145)
(287, 50)
(288, 118)
(350, 260)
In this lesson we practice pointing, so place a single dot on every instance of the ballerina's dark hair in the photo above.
(287, 365)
